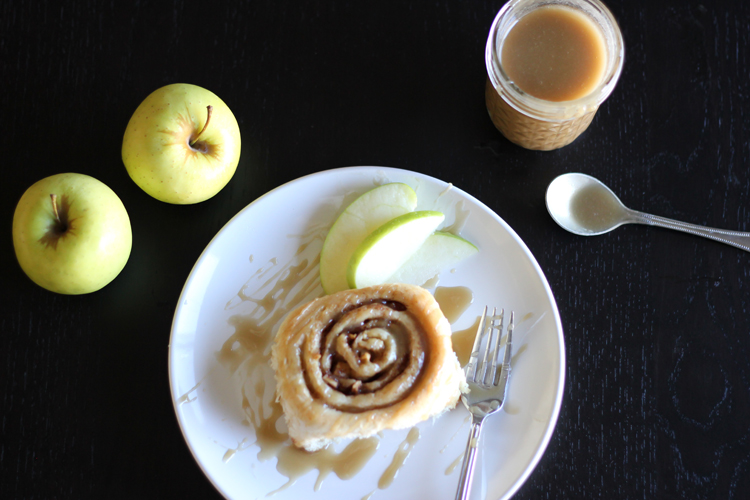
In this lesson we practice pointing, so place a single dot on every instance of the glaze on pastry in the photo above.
(353, 363)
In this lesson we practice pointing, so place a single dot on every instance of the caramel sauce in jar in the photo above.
(550, 65)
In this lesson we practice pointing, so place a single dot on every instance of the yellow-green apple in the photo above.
(365, 214)
(182, 144)
(387, 248)
(71, 233)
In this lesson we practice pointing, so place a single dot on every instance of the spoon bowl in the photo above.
(585, 206)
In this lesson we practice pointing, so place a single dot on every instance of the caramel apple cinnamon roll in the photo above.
(356, 362)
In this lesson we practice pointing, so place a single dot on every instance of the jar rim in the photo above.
(541, 109)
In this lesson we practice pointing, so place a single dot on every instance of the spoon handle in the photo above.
(735, 238)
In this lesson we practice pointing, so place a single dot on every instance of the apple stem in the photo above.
(209, 109)
(55, 211)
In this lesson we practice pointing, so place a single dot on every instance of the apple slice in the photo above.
(440, 251)
(364, 215)
(390, 246)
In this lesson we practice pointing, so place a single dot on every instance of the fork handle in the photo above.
(470, 455)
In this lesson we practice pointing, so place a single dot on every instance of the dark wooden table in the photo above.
(657, 323)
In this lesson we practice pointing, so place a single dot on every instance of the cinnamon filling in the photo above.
(369, 356)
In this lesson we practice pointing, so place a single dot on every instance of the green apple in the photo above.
(71, 233)
(365, 214)
(182, 144)
(440, 251)
(387, 248)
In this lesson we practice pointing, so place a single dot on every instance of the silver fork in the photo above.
(488, 386)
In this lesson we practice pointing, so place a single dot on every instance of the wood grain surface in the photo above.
(657, 323)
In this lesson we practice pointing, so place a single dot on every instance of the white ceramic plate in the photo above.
(275, 231)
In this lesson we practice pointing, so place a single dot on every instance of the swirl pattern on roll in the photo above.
(353, 363)
(367, 358)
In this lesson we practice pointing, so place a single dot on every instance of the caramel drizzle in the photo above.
(270, 293)
(399, 458)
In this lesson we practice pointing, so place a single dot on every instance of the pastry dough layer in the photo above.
(353, 363)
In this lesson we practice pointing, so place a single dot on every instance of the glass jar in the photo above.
(535, 123)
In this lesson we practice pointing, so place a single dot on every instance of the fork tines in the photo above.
(487, 341)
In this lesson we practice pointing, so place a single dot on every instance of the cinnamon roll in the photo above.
(353, 363)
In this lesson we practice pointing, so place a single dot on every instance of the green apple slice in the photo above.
(440, 251)
(390, 246)
(364, 215)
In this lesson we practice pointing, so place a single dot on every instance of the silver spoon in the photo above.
(583, 205)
